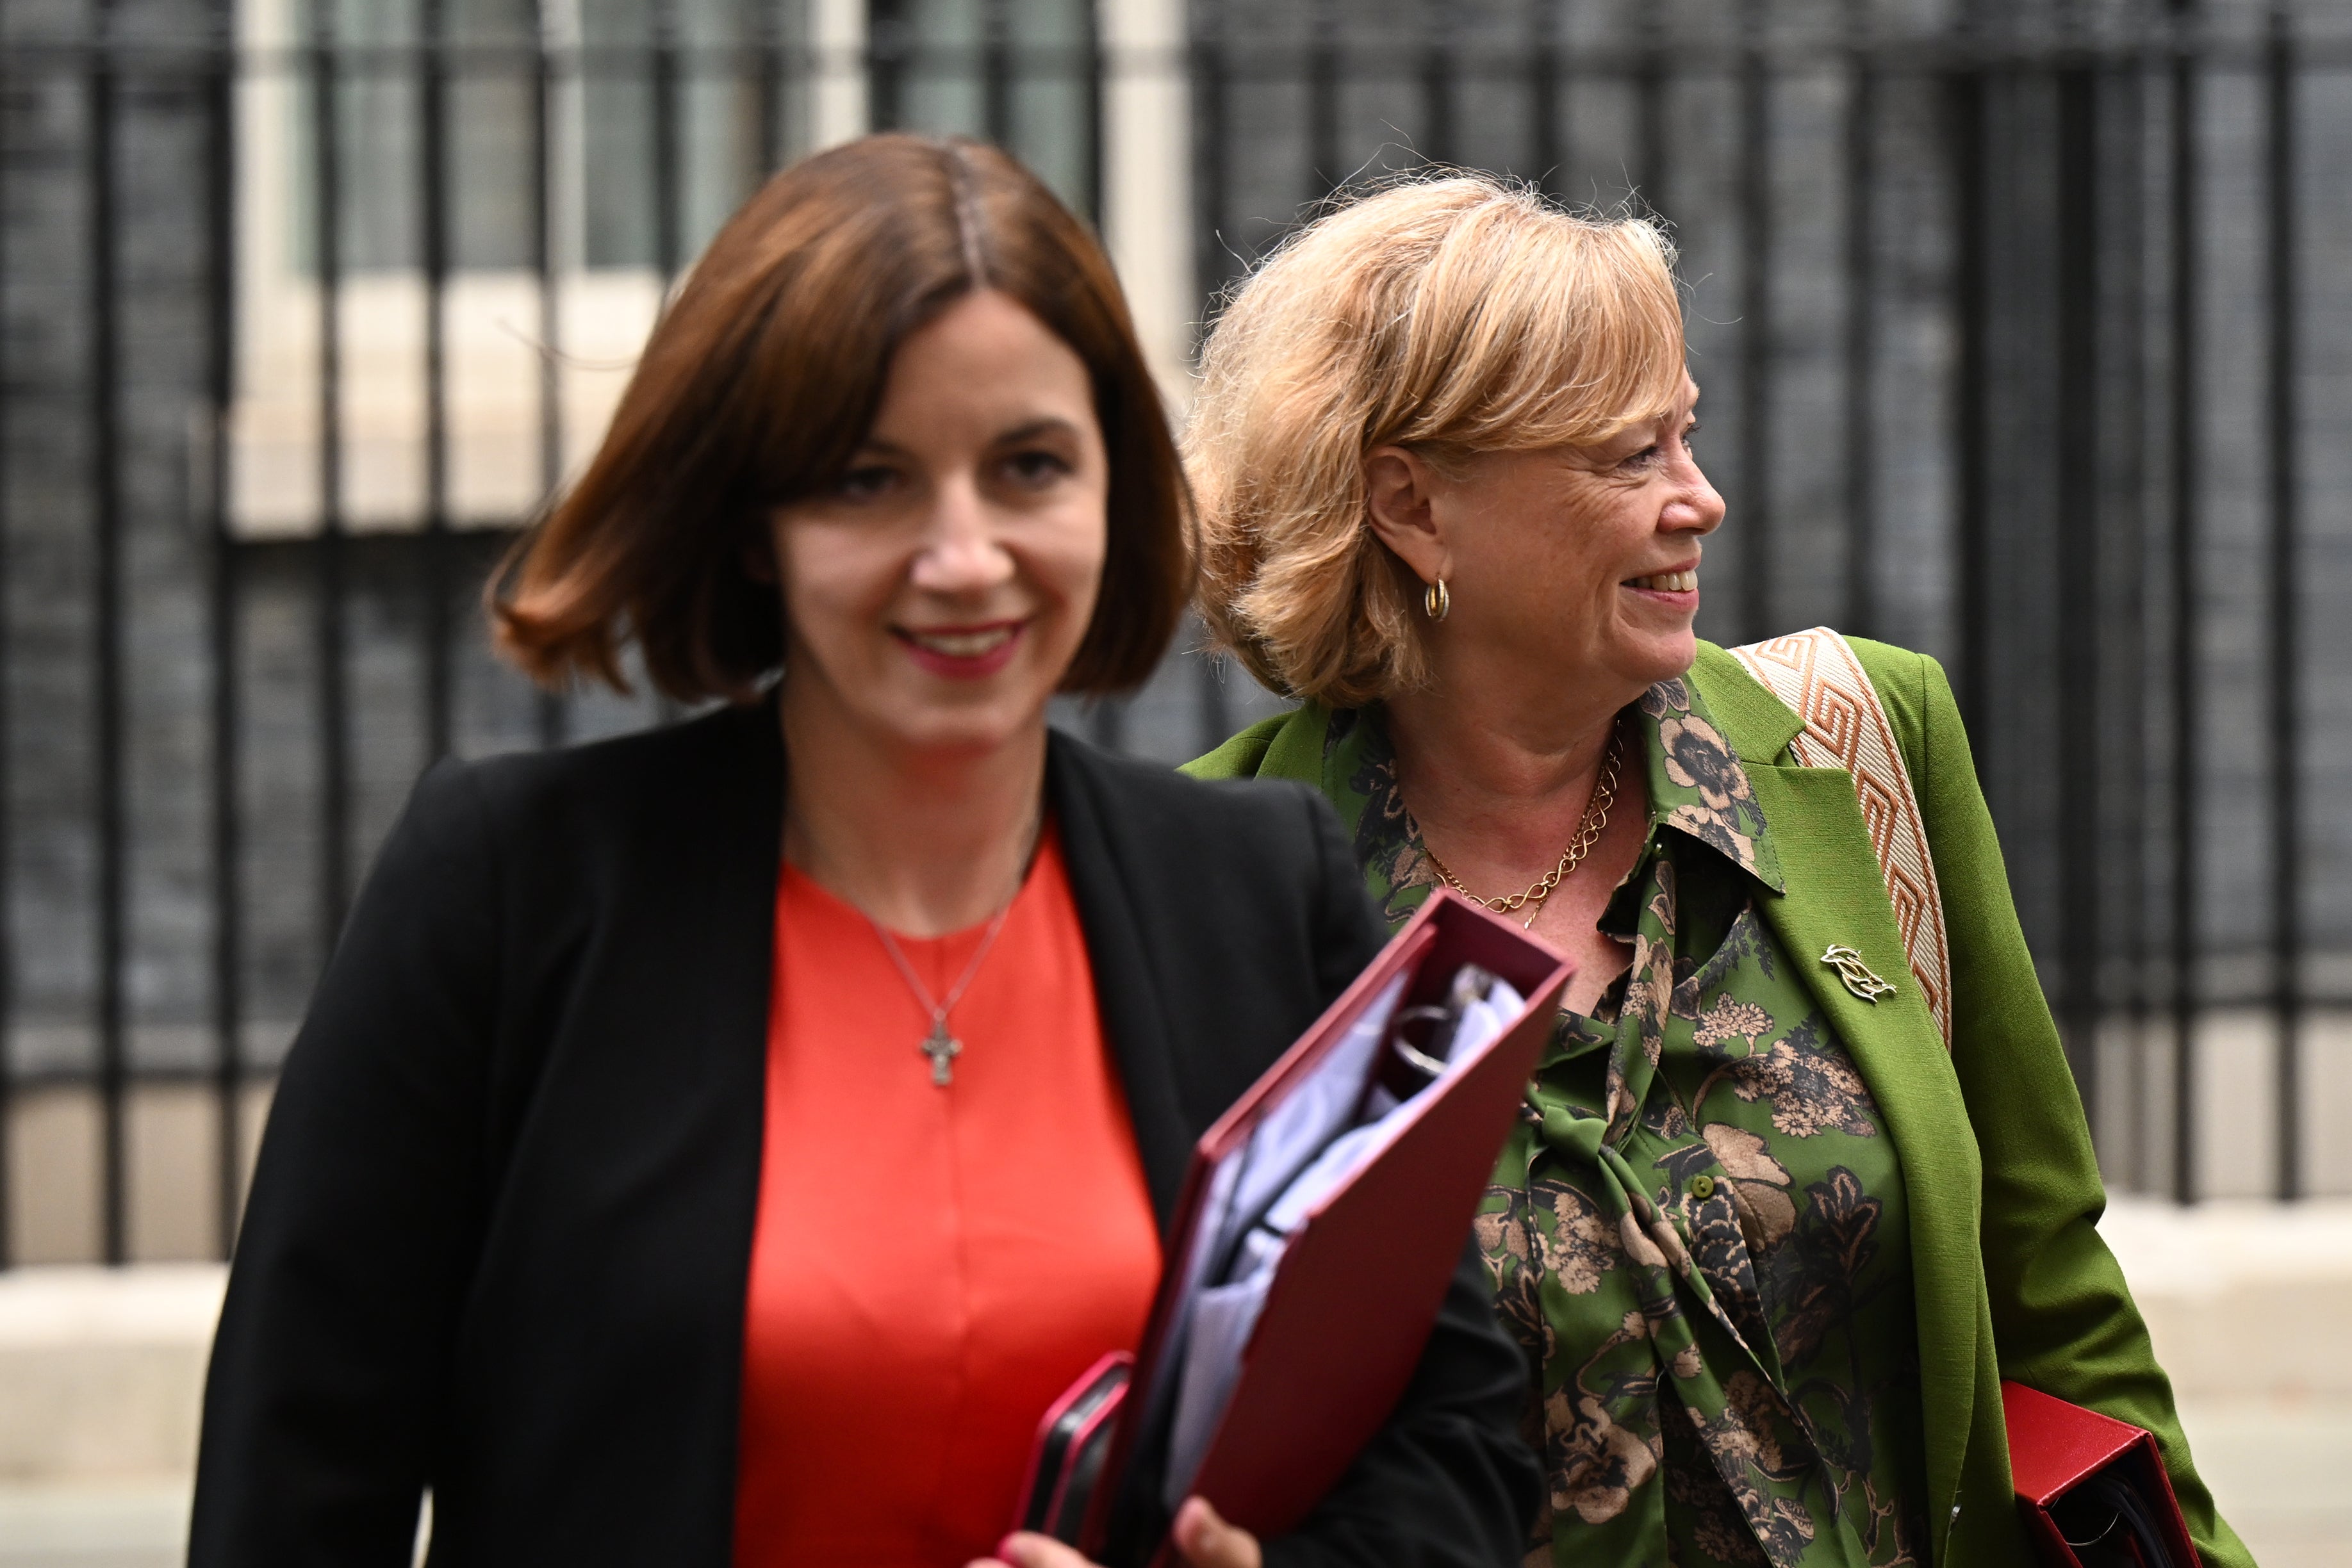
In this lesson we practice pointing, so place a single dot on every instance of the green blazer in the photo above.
(2013, 1279)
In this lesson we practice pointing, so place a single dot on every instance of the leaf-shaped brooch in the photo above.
(1856, 973)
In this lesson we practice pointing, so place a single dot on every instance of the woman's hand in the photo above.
(1203, 1540)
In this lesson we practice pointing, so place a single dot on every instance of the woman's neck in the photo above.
(1499, 778)
(1507, 765)
(925, 843)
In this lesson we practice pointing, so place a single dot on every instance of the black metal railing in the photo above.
(2038, 187)
(2024, 330)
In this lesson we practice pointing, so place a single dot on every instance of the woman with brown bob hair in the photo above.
(719, 1144)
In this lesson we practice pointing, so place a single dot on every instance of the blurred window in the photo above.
(677, 106)
(572, 157)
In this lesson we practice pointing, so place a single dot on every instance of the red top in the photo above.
(931, 1266)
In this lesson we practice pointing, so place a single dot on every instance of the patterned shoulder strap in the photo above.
(1816, 673)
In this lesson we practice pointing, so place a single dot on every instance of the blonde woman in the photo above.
(1771, 1248)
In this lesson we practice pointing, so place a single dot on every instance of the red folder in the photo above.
(2093, 1489)
(1361, 1280)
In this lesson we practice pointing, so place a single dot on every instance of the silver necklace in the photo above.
(940, 1046)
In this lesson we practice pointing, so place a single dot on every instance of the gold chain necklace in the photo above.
(1588, 833)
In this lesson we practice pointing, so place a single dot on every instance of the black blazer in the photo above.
(500, 1231)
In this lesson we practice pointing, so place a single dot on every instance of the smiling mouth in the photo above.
(976, 643)
(1668, 581)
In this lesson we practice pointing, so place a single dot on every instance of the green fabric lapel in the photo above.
(1759, 725)
(1296, 749)
(1836, 893)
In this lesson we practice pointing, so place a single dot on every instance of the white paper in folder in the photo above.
(1335, 1124)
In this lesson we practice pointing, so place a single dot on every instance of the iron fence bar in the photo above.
(548, 719)
(1097, 70)
(1208, 65)
(433, 196)
(227, 838)
(2134, 890)
(1546, 101)
(1695, 55)
(886, 51)
(669, 225)
(1437, 81)
(1755, 332)
(8, 715)
(2285, 664)
(1861, 331)
(106, 594)
(1106, 716)
(2186, 179)
(662, 63)
(1323, 99)
(1967, 90)
(1212, 147)
(996, 72)
(771, 47)
(332, 673)
(2080, 740)
(1652, 168)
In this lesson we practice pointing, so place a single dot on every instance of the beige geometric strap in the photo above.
(1817, 675)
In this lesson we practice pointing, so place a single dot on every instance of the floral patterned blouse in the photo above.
(1697, 1230)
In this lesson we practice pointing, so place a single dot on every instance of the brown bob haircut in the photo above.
(764, 375)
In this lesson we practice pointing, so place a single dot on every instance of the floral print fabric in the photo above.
(1697, 1230)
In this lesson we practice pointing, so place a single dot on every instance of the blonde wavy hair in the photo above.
(1449, 316)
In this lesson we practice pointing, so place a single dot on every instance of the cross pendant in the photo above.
(942, 1048)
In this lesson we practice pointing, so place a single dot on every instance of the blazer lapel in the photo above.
(1127, 981)
(1836, 895)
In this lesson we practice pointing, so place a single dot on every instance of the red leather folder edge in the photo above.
(2054, 1446)
(1362, 1283)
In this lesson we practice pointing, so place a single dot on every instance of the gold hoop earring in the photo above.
(1435, 602)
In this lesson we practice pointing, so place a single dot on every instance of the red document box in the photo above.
(2093, 1489)
(1360, 1279)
